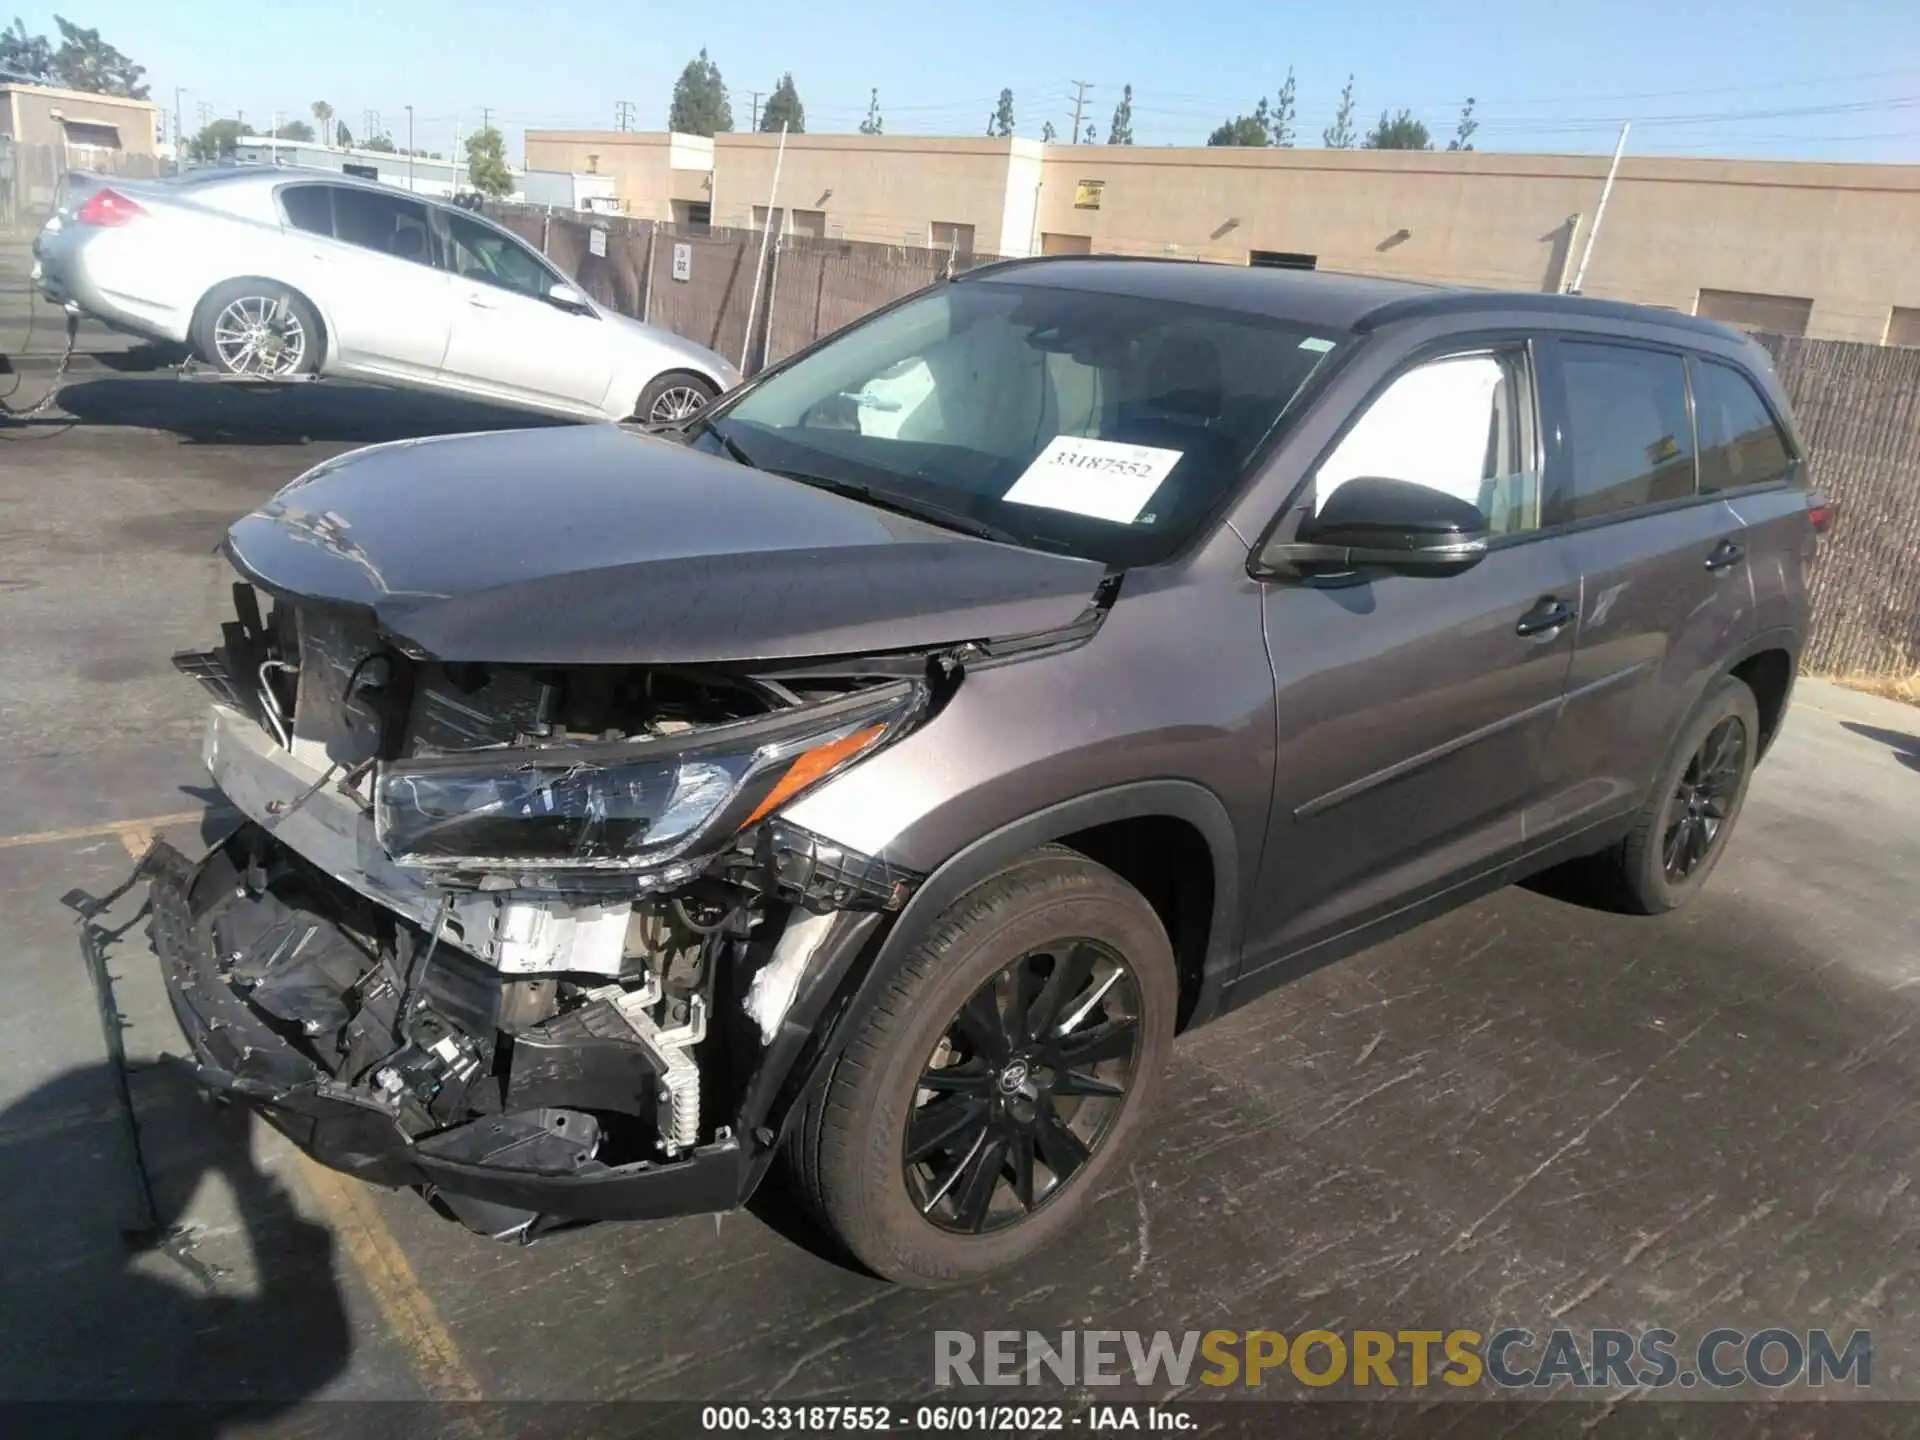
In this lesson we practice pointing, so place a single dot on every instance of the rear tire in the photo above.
(260, 329)
(674, 398)
(1682, 829)
(1030, 1117)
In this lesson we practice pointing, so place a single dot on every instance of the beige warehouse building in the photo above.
(85, 126)
(46, 131)
(1817, 249)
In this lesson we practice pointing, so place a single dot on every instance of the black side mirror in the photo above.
(1373, 523)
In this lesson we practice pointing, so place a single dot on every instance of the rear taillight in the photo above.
(1820, 512)
(108, 207)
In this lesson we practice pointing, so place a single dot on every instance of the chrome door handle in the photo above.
(1724, 555)
(1548, 614)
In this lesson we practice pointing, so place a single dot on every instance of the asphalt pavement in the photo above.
(1525, 1114)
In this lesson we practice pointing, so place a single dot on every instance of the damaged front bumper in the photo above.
(544, 944)
(520, 1161)
(516, 1157)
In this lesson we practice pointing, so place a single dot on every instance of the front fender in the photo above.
(867, 973)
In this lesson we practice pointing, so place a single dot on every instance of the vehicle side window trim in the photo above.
(1793, 477)
(1693, 415)
(1553, 396)
(1450, 347)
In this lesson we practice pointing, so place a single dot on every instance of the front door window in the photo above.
(1452, 425)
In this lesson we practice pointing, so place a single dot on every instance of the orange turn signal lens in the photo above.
(812, 766)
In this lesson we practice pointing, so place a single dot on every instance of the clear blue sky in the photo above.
(1797, 79)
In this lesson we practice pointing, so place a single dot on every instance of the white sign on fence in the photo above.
(682, 261)
(596, 241)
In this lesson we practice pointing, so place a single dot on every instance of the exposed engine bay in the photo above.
(541, 923)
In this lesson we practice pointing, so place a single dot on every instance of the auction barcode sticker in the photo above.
(1101, 478)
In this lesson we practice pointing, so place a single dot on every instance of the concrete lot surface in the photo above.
(1524, 1114)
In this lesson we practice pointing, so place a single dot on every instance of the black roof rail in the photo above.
(1010, 262)
(1454, 302)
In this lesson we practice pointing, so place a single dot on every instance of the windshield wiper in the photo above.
(932, 513)
(731, 446)
(691, 429)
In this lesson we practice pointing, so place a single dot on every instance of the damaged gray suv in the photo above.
(875, 774)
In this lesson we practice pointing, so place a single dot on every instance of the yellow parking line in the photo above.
(122, 828)
(409, 1312)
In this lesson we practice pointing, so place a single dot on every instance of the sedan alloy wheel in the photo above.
(259, 335)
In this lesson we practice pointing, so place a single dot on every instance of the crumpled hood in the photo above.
(598, 545)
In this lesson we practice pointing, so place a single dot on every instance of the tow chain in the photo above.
(45, 402)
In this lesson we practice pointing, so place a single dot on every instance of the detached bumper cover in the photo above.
(517, 1160)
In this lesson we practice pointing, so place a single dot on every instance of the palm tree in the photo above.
(322, 115)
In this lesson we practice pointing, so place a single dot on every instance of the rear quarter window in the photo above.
(1740, 442)
(309, 208)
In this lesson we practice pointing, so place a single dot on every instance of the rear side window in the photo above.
(1739, 442)
(309, 208)
(390, 224)
(1628, 440)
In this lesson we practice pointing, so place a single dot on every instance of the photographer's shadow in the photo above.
(236, 1321)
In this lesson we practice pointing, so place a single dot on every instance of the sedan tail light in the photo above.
(1820, 512)
(108, 207)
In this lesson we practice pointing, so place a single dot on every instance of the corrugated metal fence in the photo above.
(1858, 405)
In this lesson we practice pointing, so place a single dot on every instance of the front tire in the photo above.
(258, 329)
(1006, 1068)
(674, 398)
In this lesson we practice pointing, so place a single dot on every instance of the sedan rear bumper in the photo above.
(73, 270)
(502, 1172)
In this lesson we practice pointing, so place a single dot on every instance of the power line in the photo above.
(1495, 99)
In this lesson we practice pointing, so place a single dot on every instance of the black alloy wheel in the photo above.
(1701, 805)
(1000, 1076)
(1686, 819)
(1022, 1087)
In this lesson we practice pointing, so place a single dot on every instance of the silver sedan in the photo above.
(280, 272)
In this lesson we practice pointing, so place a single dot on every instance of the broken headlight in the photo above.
(628, 804)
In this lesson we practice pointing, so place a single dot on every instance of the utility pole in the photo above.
(623, 115)
(1601, 213)
(179, 140)
(759, 269)
(370, 121)
(273, 139)
(205, 112)
(754, 123)
(486, 122)
(1079, 99)
(409, 149)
